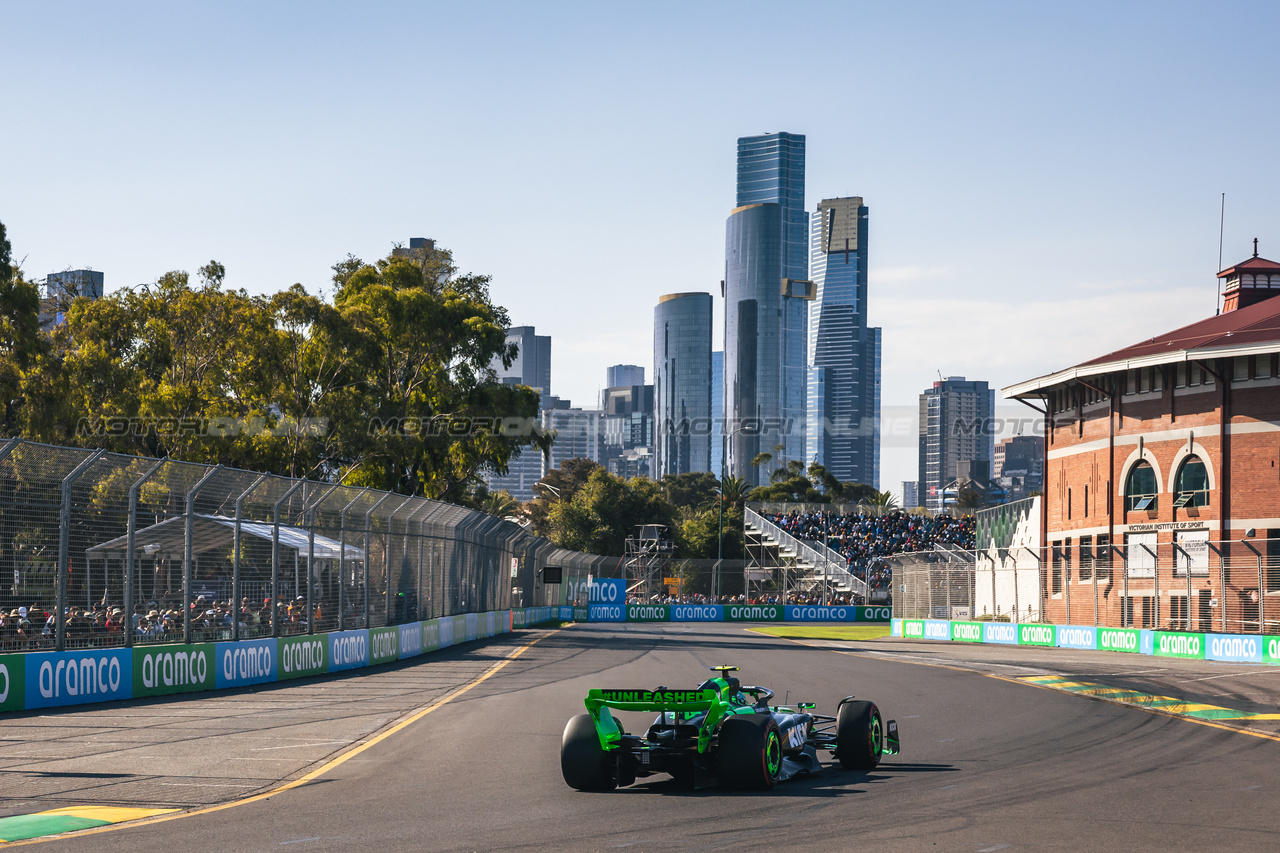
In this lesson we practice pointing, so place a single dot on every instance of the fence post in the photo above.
(130, 545)
(1222, 590)
(235, 557)
(275, 556)
(1262, 598)
(188, 550)
(342, 561)
(1093, 571)
(1155, 582)
(1125, 600)
(368, 517)
(946, 582)
(386, 554)
(1066, 582)
(995, 608)
(64, 547)
(1187, 556)
(311, 556)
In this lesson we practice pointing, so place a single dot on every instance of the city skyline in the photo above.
(1027, 163)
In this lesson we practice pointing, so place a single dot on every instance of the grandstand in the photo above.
(869, 541)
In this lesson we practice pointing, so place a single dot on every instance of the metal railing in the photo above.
(829, 565)
(100, 550)
(867, 509)
(1230, 586)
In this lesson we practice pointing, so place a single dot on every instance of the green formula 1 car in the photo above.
(720, 732)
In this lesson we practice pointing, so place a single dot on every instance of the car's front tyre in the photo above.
(859, 735)
(583, 762)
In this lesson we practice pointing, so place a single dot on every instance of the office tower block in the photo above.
(624, 376)
(532, 366)
(60, 288)
(766, 290)
(843, 400)
(577, 435)
(956, 417)
(627, 430)
(682, 383)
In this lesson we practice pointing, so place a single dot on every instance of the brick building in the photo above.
(1162, 472)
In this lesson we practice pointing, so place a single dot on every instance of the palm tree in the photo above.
(734, 491)
(883, 502)
(500, 504)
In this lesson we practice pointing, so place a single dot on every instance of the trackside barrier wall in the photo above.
(53, 679)
(1234, 648)
(50, 679)
(732, 613)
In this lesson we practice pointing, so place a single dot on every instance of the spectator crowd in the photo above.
(32, 628)
(866, 541)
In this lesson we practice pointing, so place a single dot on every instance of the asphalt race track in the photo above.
(987, 764)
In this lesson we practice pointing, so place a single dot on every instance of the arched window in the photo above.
(1191, 486)
(1140, 487)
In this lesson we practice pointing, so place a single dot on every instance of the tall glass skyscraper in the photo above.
(766, 293)
(843, 422)
(682, 383)
(955, 415)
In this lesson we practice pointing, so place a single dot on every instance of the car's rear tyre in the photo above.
(750, 753)
(583, 761)
(859, 735)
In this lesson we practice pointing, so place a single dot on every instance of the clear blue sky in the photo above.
(1043, 179)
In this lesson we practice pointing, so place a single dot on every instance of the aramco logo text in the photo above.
(174, 669)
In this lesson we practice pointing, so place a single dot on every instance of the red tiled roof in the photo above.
(1259, 323)
(1254, 263)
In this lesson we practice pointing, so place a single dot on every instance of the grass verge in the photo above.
(826, 632)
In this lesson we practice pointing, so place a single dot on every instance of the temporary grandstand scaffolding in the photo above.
(794, 564)
(646, 556)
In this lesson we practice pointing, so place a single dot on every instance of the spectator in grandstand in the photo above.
(866, 540)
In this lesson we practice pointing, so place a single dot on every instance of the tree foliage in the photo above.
(388, 385)
(691, 490)
(606, 510)
(560, 484)
(792, 483)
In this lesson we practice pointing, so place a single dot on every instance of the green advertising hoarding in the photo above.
(754, 612)
(913, 629)
(12, 683)
(966, 632)
(648, 613)
(302, 656)
(384, 645)
(1177, 644)
(1270, 650)
(874, 613)
(1036, 635)
(162, 670)
(431, 635)
(1120, 640)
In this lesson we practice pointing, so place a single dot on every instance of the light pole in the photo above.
(724, 452)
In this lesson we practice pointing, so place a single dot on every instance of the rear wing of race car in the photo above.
(662, 700)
